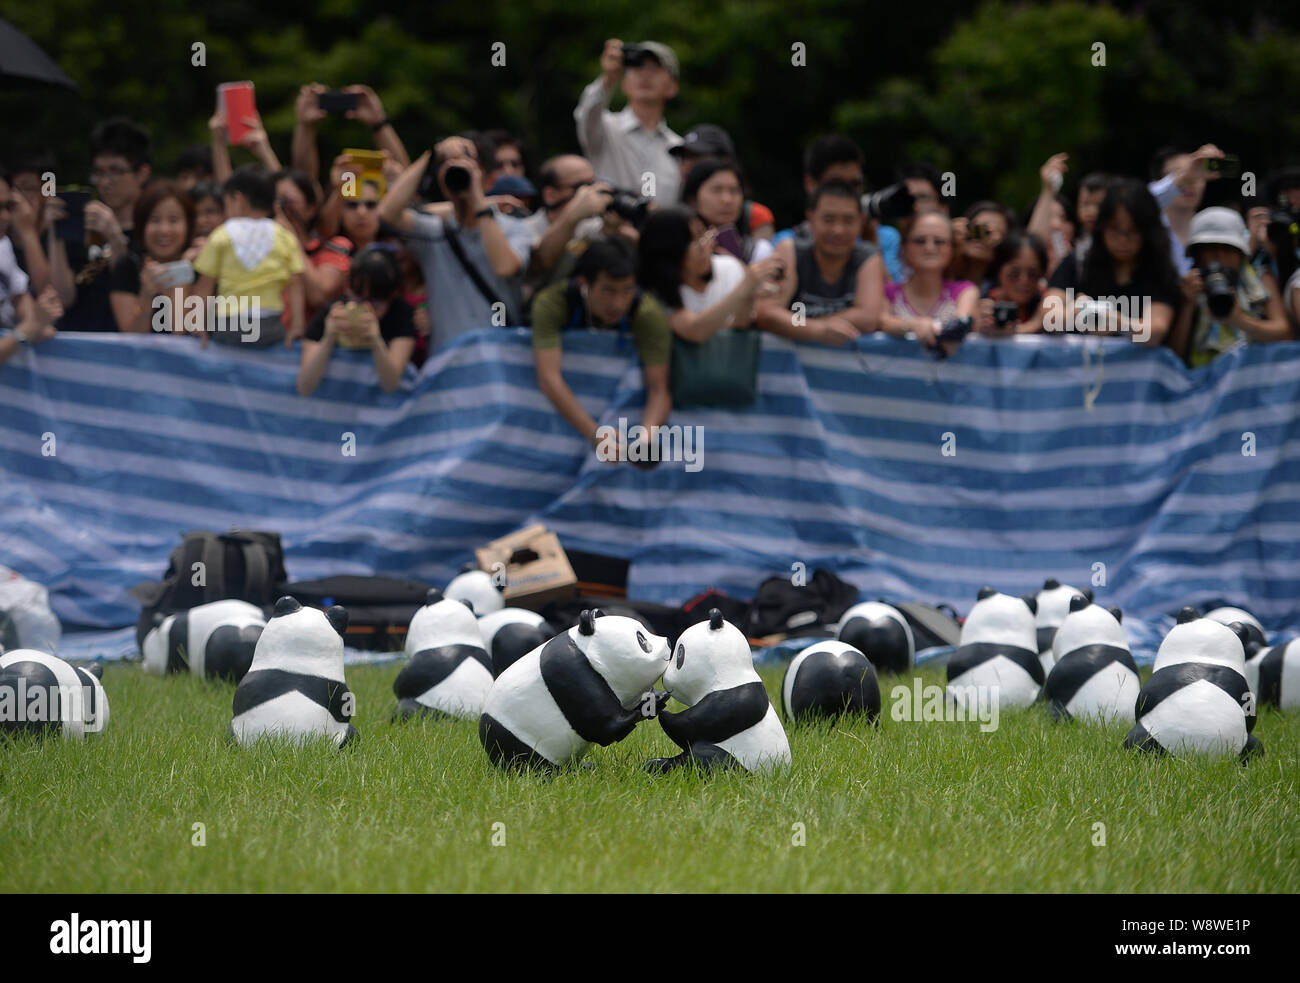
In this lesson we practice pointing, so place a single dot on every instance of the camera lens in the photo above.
(457, 179)
(1219, 289)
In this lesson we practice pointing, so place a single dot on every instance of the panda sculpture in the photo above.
(1197, 699)
(881, 633)
(729, 721)
(828, 679)
(510, 634)
(1255, 635)
(477, 589)
(295, 687)
(42, 694)
(998, 650)
(589, 685)
(1274, 675)
(215, 640)
(1053, 606)
(1093, 676)
(449, 673)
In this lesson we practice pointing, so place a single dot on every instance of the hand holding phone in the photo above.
(337, 101)
(236, 98)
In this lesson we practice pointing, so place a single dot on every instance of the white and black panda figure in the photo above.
(295, 687)
(1274, 676)
(729, 721)
(476, 588)
(215, 640)
(881, 633)
(1053, 606)
(1197, 699)
(510, 634)
(829, 679)
(589, 685)
(1093, 676)
(449, 673)
(42, 694)
(1256, 638)
(998, 650)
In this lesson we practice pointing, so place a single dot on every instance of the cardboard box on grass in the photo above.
(537, 571)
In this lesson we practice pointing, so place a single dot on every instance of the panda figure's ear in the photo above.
(1078, 602)
(715, 620)
(338, 618)
(597, 613)
(469, 568)
(433, 596)
(1087, 592)
(1031, 602)
(96, 669)
(158, 618)
(1118, 614)
(985, 593)
(1242, 633)
(1051, 583)
(470, 605)
(286, 605)
(1187, 614)
(586, 623)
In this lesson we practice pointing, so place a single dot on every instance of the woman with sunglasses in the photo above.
(1015, 278)
(371, 316)
(927, 299)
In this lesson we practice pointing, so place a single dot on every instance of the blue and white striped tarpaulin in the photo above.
(910, 477)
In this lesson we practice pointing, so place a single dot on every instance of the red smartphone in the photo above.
(236, 98)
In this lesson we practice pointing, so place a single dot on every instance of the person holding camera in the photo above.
(473, 260)
(31, 320)
(1226, 300)
(165, 216)
(1178, 184)
(602, 295)
(371, 316)
(627, 146)
(829, 286)
(928, 300)
(575, 212)
(976, 236)
(1012, 301)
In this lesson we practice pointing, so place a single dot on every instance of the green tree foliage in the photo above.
(986, 91)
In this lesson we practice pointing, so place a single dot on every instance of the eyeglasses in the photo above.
(108, 174)
(927, 240)
(355, 204)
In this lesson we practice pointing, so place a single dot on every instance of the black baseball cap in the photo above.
(705, 140)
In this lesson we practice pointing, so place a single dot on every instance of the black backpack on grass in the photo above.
(239, 565)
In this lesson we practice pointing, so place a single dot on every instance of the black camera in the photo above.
(457, 180)
(889, 204)
(634, 55)
(629, 206)
(1220, 288)
(1005, 313)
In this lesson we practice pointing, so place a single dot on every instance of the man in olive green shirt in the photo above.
(603, 294)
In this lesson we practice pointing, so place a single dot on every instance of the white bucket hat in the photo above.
(1219, 227)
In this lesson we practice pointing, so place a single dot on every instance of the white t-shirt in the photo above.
(13, 283)
(728, 272)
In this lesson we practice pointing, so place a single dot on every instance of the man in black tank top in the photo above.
(833, 288)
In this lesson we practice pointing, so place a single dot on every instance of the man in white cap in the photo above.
(1225, 300)
(630, 146)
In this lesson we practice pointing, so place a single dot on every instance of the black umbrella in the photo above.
(21, 61)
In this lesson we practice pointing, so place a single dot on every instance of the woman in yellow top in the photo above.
(248, 262)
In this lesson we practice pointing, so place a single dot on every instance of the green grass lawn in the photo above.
(905, 807)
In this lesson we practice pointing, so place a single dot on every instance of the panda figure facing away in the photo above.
(589, 685)
(998, 651)
(476, 588)
(510, 634)
(1093, 676)
(42, 694)
(295, 687)
(1197, 699)
(215, 640)
(829, 679)
(730, 721)
(449, 673)
(1053, 605)
(1274, 675)
(881, 633)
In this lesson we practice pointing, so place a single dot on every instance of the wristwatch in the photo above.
(484, 212)
(381, 124)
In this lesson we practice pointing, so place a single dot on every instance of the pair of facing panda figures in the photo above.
(1208, 676)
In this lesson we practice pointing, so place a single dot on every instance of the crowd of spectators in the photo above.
(644, 232)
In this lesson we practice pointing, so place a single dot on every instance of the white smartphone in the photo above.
(177, 274)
